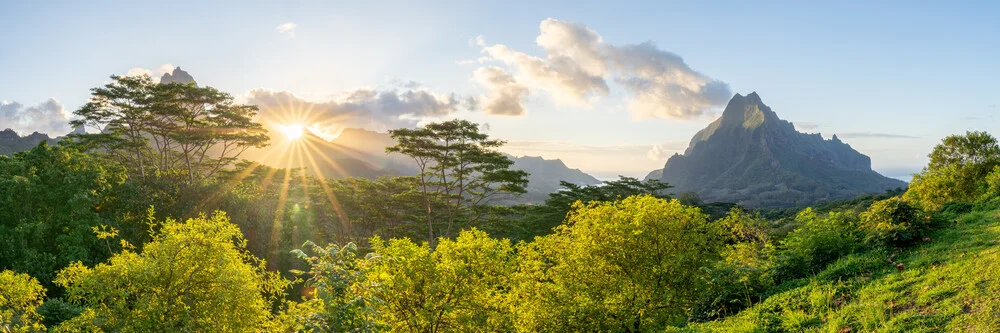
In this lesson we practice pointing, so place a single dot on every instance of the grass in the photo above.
(948, 283)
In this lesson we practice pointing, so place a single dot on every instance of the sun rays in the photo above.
(296, 155)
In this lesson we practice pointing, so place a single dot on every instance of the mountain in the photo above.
(545, 175)
(751, 156)
(361, 153)
(178, 75)
(11, 142)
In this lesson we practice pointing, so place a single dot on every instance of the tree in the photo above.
(957, 168)
(337, 304)
(20, 296)
(193, 276)
(542, 218)
(634, 265)
(51, 201)
(459, 286)
(746, 269)
(459, 166)
(167, 128)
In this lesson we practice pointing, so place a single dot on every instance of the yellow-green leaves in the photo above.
(194, 276)
(20, 295)
(459, 286)
(633, 265)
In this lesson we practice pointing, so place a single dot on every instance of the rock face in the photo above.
(178, 76)
(750, 156)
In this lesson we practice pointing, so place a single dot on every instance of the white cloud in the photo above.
(804, 126)
(287, 29)
(358, 108)
(49, 117)
(503, 95)
(155, 74)
(661, 152)
(578, 63)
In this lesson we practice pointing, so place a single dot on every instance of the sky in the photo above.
(612, 88)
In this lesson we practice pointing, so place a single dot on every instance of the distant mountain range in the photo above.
(361, 153)
(752, 157)
(11, 142)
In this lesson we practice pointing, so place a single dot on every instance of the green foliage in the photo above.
(460, 167)
(336, 304)
(945, 285)
(957, 170)
(542, 218)
(817, 241)
(155, 128)
(893, 222)
(459, 286)
(746, 269)
(193, 276)
(633, 265)
(56, 310)
(51, 198)
(20, 296)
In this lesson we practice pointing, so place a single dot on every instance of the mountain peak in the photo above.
(178, 75)
(747, 112)
(751, 155)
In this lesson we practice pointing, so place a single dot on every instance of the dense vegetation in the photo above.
(154, 224)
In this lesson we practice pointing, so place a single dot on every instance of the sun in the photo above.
(291, 131)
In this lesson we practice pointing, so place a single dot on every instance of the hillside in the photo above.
(948, 283)
(752, 157)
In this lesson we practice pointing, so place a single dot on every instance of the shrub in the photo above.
(20, 295)
(818, 241)
(893, 222)
(746, 269)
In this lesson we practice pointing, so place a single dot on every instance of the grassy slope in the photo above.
(951, 283)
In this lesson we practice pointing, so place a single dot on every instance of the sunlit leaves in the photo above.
(194, 276)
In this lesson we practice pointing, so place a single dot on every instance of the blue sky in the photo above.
(890, 79)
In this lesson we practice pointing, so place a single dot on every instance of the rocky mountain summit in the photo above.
(752, 157)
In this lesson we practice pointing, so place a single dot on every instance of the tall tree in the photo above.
(461, 166)
(173, 127)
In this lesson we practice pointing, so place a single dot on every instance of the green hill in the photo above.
(949, 282)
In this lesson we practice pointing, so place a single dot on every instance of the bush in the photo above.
(893, 222)
(746, 269)
(20, 295)
(56, 311)
(818, 241)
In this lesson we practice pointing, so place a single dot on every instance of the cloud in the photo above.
(578, 63)
(566, 82)
(661, 152)
(287, 29)
(361, 108)
(49, 117)
(503, 93)
(803, 126)
(851, 135)
(155, 74)
(599, 160)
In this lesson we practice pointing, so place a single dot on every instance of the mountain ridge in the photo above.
(751, 156)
